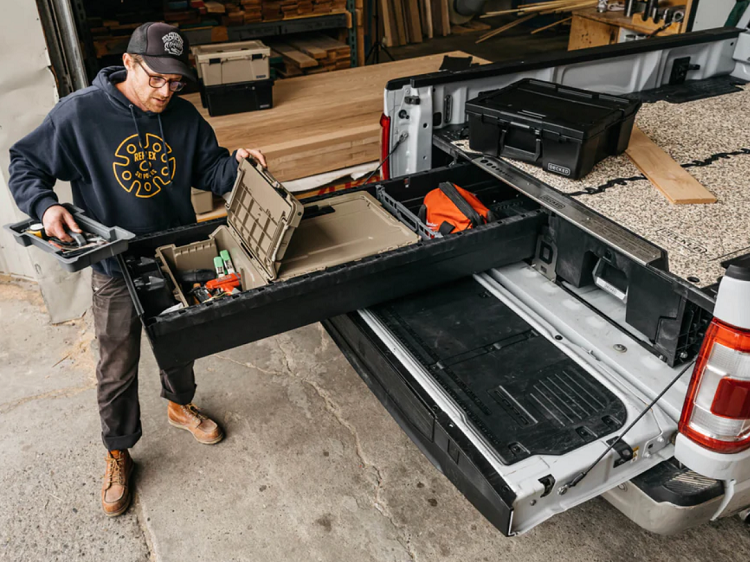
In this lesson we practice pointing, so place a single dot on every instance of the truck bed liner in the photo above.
(709, 137)
(524, 394)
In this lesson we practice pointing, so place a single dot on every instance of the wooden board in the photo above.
(415, 28)
(427, 19)
(398, 16)
(319, 123)
(664, 173)
(299, 58)
(445, 17)
(388, 24)
(307, 46)
(585, 33)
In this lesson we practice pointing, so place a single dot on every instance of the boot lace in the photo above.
(193, 409)
(115, 469)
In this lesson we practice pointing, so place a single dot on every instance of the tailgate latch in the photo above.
(624, 451)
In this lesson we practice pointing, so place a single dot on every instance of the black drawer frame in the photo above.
(211, 327)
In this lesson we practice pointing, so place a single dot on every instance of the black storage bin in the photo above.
(284, 304)
(564, 130)
(226, 99)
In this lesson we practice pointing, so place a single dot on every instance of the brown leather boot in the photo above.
(116, 492)
(189, 417)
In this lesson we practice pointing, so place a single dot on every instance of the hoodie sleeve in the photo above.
(215, 169)
(36, 162)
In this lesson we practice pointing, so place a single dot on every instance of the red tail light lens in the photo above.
(717, 407)
(385, 142)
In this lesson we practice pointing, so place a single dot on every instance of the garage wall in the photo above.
(27, 93)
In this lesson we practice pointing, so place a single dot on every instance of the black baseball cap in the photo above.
(163, 48)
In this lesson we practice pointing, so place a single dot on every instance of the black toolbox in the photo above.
(283, 303)
(564, 130)
(239, 97)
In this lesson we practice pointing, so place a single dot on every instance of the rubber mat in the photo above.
(524, 394)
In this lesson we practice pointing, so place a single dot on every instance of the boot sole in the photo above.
(214, 442)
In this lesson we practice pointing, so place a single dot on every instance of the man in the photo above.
(131, 153)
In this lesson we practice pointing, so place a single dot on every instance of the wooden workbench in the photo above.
(591, 28)
(322, 122)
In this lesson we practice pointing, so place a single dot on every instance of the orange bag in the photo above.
(451, 209)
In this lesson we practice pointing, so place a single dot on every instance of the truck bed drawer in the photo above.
(204, 329)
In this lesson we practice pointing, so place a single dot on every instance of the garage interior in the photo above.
(314, 465)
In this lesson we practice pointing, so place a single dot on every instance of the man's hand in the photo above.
(55, 219)
(243, 153)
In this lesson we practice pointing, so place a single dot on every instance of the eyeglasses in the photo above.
(159, 81)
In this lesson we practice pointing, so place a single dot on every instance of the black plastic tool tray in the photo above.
(118, 240)
(227, 99)
(564, 130)
(208, 328)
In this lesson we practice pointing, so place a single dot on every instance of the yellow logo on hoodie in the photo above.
(144, 171)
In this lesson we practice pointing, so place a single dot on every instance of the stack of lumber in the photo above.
(319, 123)
(110, 35)
(253, 11)
(529, 11)
(412, 21)
(311, 53)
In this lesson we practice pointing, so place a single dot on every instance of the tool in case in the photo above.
(566, 131)
(97, 242)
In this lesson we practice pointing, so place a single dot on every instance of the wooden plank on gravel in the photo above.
(664, 173)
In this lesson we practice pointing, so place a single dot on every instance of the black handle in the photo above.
(516, 152)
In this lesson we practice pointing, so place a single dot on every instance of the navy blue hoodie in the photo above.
(127, 167)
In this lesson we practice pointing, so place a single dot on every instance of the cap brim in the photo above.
(168, 65)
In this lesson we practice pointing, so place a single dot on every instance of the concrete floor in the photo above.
(313, 468)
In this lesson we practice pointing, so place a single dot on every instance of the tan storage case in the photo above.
(229, 63)
(203, 201)
(268, 239)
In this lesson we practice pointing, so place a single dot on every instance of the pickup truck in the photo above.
(514, 382)
(591, 340)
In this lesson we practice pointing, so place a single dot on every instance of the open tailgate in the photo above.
(509, 406)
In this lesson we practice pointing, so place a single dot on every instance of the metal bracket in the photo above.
(624, 451)
(545, 257)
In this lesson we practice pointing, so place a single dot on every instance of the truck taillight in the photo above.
(385, 146)
(717, 407)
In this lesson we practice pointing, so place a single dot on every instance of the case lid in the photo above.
(574, 113)
(263, 214)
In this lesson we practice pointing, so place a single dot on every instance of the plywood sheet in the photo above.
(322, 122)
(585, 33)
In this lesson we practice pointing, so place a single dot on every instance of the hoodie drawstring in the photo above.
(164, 141)
(163, 138)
